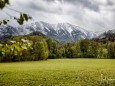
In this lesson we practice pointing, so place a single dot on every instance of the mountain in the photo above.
(108, 36)
(63, 32)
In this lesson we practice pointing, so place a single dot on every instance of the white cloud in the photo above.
(90, 14)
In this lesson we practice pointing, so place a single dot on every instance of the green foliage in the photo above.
(40, 49)
(81, 49)
(23, 17)
(93, 49)
(3, 3)
(84, 47)
(4, 22)
(20, 20)
(102, 51)
(111, 50)
(55, 49)
(24, 48)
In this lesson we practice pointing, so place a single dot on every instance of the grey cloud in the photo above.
(84, 3)
(46, 7)
(110, 2)
(90, 14)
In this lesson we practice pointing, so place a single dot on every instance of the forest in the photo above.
(33, 48)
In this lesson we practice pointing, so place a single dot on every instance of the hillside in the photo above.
(105, 37)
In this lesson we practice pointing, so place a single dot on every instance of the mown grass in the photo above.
(58, 72)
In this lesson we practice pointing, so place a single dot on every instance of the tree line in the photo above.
(33, 48)
(84, 48)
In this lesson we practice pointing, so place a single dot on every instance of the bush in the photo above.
(30, 48)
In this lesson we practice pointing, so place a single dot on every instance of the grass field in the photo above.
(58, 72)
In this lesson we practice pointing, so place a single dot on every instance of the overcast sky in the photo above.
(95, 15)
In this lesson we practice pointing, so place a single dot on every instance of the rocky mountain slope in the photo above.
(63, 32)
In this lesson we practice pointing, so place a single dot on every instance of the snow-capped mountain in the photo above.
(63, 32)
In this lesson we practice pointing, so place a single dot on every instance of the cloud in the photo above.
(93, 15)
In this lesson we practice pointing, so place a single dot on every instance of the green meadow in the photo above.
(59, 72)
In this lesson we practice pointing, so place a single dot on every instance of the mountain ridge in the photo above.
(63, 32)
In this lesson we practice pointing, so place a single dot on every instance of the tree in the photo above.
(20, 20)
(42, 51)
(40, 48)
(55, 50)
(84, 46)
(111, 50)
(92, 50)
(102, 51)
(24, 49)
(71, 50)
